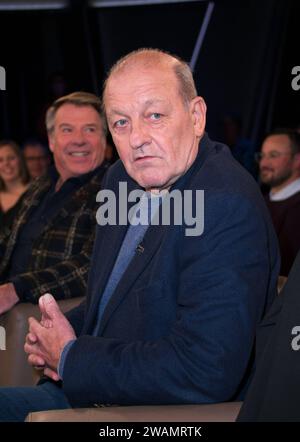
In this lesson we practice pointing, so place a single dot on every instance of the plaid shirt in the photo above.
(60, 257)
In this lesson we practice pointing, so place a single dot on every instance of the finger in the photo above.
(39, 367)
(31, 338)
(51, 374)
(34, 326)
(36, 361)
(35, 349)
(49, 307)
(32, 349)
(46, 322)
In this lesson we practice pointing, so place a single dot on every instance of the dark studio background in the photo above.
(243, 69)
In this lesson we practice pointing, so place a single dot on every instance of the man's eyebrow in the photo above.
(153, 101)
(113, 112)
(147, 103)
(70, 124)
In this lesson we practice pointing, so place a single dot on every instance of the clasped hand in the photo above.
(47, 338)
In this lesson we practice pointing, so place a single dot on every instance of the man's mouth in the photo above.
(79, 154)
(146, 157)
(266, 170)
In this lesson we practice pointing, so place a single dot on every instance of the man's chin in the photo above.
(266, 179)
(82, 169)
(149, 184)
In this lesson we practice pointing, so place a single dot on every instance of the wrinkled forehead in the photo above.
(141, 83)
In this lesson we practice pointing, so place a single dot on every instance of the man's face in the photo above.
(36, 159)
(155, 132)
(77, 142)
(277, 165)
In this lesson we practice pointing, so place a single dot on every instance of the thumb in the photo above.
(49, 307)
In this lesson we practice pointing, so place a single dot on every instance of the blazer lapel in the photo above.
(108, 239)
(107, 245)
(143, 255)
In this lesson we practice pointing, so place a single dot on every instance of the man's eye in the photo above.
(120, 123)
(66, 129)
(90, 129)
(155, 116)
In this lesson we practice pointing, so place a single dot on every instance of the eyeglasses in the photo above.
(37, 158)
(273, 155)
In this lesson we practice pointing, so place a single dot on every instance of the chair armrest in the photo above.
(15, 371)
(281, 283)
(223, 412)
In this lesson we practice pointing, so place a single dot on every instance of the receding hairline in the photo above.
(155, 58)
(146, 58)
(78, 99)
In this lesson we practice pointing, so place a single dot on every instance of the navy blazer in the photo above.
(180, 326)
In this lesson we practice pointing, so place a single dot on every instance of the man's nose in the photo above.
(79, 138)
(264, 161)
(139, 135)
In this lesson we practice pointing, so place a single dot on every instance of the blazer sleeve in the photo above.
(224, 276)
(76, 317)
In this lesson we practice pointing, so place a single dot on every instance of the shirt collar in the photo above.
(286, 192)
(81, 179)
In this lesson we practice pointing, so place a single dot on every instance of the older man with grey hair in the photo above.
(171, 312)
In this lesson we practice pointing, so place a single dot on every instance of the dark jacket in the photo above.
(60, 256)
(180, 325)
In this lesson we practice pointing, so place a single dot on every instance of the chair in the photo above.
(223, 412)
(281, 283)
(15, 371)
(14, 358)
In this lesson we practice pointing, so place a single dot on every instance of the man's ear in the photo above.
(51, 142)
(297, 161)
(198, 111)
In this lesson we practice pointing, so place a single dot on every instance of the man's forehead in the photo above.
(139, 73)
(278, 141)
(69, 112)
(141, 103)
(146, 100)
(141, 88)
(147, 60)
(33, 148)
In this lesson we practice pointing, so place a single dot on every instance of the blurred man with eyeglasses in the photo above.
(37, 159)
(279, 166)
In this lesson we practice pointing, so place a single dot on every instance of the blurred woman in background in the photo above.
(14, 180)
